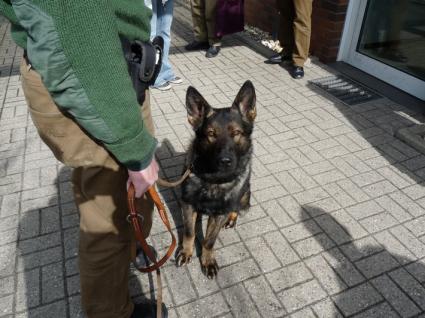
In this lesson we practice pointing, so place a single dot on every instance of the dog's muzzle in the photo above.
(225, 161)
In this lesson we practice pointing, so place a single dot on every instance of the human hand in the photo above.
(143, 179)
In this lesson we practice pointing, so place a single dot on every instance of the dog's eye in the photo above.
(236, 133)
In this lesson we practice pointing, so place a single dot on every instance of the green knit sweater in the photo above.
(75, 47)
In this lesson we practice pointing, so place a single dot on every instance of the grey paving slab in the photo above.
(336, 228)
(398, 300)
(326, 308)
(302, 295)
(381, 310)
(357, 299)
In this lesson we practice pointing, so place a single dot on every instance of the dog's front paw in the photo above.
(183, 257)
(210, 267)
(231, 220)
(230, 224)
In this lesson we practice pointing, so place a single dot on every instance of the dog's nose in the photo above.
(225, 161)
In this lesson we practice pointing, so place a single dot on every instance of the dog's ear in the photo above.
(197, 107)
(245, 102)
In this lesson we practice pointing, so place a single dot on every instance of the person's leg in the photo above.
(198, 18)
(284, 33)
(286, 25)
(199, 26)
(163, 27)
(106, 240)
(210, 14)
(302, 31)
(153, 4)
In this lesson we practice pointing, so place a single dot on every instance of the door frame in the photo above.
(348, 53)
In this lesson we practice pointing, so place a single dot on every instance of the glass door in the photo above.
(388, 41)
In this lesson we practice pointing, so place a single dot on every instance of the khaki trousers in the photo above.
(203, 16)
(99, 183)
(295, 28)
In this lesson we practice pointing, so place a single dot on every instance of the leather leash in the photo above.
(134, 219)
(172, 184)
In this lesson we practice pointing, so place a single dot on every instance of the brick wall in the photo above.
(261, 13)
(327, 26)
(327, 23)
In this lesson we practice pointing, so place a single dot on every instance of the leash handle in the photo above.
(134, 218)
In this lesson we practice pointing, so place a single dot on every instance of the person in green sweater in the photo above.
(81, 99)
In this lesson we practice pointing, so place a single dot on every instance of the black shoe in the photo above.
(148, 310)
(297, 72)
(196, 46)
(142, 260)
(278, 59)
(212, 51)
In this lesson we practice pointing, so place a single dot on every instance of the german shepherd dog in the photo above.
(220, 158)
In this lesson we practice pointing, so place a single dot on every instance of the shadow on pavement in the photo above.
(172, 165)
(377, 122)
(363, 277)
(48, 274)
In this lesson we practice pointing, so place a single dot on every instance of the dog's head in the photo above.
(223, 135)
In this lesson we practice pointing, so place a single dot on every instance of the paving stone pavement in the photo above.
(337, 226)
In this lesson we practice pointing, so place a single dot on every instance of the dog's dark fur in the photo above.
(220, 157)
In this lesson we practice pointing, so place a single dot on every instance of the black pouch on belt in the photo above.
(144, 61)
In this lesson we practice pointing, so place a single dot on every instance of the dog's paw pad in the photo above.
(183, 258)
(211, 270)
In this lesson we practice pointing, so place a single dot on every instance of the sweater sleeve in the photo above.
(89, 36)
(75, 47)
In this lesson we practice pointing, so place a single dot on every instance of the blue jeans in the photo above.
(162, 17)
